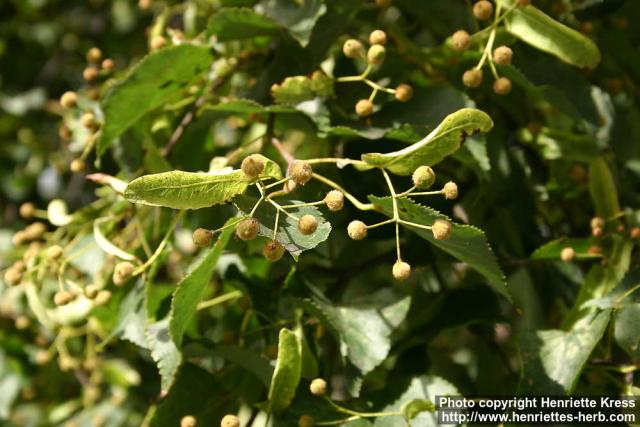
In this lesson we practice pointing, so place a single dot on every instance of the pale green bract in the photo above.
(443, 141)
(539, 30)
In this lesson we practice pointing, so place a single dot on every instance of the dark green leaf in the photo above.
(551, 250)
(240, 23)
(298, 17)
(603, 189)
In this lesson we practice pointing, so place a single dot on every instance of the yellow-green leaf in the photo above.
(443, 141)
(603, 189)
(539, 30)
(288, 370)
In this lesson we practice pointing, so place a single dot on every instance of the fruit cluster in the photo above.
(461, 40)
(375, 55)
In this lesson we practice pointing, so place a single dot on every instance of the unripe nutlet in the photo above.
(230, 420)
(376, 54)
(252, 166)
(69, 99)
(403, 93)
(91, 291)
(122, 272)
(27, 210)
(597, 222)
(441, 229)
(90, 74)
(306, 421)
(54, 252)
(307, 224)
(273, 250)
(248, 229)
(188, 421)
(423, 177)
(352, 48)
(502, 55)
(567, 254)
(12, 276)
(472, 78)
(158, 42)
(460, 40)
(77, 165)
(357, 230)
(450, 190)
(202, 237)
(502, 86)
(62, 298)
(483, 10)
(334, 200)
(103, 297)
(377, 37)
(364, 108)
(34, 231)
(94, 55)
(635, 233)
(301, 172)
(597, 232)
(318, 387)
(22, 322)
(401, 271)
(88, 120)
(108, 65)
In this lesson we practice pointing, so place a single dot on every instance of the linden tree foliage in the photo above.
(314, 212)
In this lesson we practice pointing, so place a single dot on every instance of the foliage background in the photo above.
(561, 140)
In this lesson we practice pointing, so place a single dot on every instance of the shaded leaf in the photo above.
(551, 250)
(626, 334)
(553, 359)
(534, 27)
(288, 234)
(286, 375)
(364, 328)
(467, 243)
(153, 82)
(298, 17)
(247, 106)
(603, 189)
(240, 23)
(443, 141)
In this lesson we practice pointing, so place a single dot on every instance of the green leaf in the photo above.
(551, 250)
(412, 408)
(416, 402)
(165, 336)
(443, 141)
(553, 359)
(364, 328)
(248, 106)
(467, 243)
(240, 23)
(193, 287)
(626, 322)
(186, 190)
(286, 375)
(603, 189)
(131, 318)
(152, 83)
(250, 360)
(293, 90)
(288, 234)
(298, 17)
(534, 27)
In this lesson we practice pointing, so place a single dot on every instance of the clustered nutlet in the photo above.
(635, 233)
(450, 190)
(103, 297)
(460, 40)
(273, 250)
(77, 165)
(188, 421)
(90, 74)
(597, 222)
(334, 200)
(63, 297)
(352, 48)
(472, 78)
(306, 421)
(94, 55)
(247, 229)
(27, 210)
(108, 65)
(122, 272)
(423, 177)
(88, 120)
(567, 254)
(301, 172)
(441, 229)
(357, 230)
(307, 224)
(13, 276)
(483, 10)
(252, 166)
(202, 237)
(376, 54)
(364, 107)
(502, 86)
(401, 270)
(403, 92)
(230, 420)
(502, 55)
(318, 387)
(54, 252)
(158, 42)
(378, 37)
(69, 99)
(91, 291)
